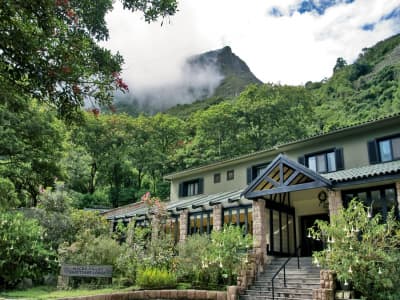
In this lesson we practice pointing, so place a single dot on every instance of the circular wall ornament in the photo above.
(322, 196)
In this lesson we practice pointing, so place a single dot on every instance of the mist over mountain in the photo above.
(218, 73)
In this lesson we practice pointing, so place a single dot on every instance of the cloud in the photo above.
(279, 43)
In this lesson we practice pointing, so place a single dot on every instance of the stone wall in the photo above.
(259, 227)
(249, 271)
(159, 294)
(327, 286)
(183, 225)
(335, 202)
(217, 217)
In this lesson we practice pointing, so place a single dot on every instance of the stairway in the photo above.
(299, 282)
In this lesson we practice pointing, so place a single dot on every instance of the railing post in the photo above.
(284, 275)
(273, 291)
(298, 258)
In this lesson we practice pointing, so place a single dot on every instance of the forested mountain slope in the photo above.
(368, 88)
(208, 78)
(111, 159)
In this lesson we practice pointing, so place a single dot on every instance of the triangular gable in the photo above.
(282, 176)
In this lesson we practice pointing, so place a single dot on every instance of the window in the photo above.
(240, 216)
(200, 222)
(254, 171)
(389, 149)
(142, 223)
(171, 227)
(217, 177)
(384, 149)
(191, 187)
(377, 199)
(230, 175)
(324, 162)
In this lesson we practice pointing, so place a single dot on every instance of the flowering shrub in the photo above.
(363, 251)
(215, 260)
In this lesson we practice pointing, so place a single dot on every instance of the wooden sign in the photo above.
(86, 271)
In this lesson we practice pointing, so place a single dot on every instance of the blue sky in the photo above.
(282, 41)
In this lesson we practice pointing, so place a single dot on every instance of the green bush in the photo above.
(23, 253)
(99, 198)
(8, 196)
(91, 221)
(155, 278)
(91, 250)
(363, 251)
(213, 261)
(191, 255)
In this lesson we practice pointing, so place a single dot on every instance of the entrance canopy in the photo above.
(283, 176)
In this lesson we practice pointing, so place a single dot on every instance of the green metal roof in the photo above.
(388, 168)
(191, 204)
(281, 147)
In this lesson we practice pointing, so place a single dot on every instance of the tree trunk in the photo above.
(93, 171)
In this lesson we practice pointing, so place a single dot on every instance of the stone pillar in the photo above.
(217, 217)
(327, 286)
(335, 202)
(183, 225)
(112, 226)
(259, 227)
(398, 192)
(155, 228)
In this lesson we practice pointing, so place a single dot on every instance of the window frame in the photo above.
(203, 213)
(217, 177)
(230, 177)
(368, 190)
(384, 139)
(326, 160)
(252, 171)
(236, 209)
(183, 190)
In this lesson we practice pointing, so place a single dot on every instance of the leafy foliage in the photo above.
(8, 196)
(213, 261)
(50, 50)
(156, 278)
(23, 253)
(362, 251)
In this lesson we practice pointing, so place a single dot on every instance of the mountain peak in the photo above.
(236, 74)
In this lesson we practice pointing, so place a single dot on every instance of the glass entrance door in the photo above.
(308, 244)
(282, 238)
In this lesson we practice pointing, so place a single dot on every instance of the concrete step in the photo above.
(299, 282)
(282, 290)
(247, 297)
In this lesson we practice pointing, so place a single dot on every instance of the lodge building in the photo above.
(278, 193)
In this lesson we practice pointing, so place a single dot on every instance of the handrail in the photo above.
(283, 266)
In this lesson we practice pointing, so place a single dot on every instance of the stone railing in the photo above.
(254, 265)
(327, 286)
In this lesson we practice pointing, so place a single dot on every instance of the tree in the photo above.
(273, 114)
(31, 145)
(217, 130)
(49, 50)
(340, 64)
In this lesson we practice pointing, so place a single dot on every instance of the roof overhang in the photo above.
(283, 176)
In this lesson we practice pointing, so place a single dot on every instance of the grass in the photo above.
(43, 292)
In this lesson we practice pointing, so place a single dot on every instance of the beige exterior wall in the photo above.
(307, 203)
(353, 142)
